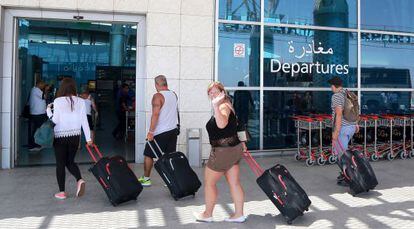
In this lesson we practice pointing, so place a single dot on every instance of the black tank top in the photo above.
(223, 137)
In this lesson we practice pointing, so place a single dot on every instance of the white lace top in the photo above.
(69, 123)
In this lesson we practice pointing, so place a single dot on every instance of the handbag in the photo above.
(45, 135)
(242, 132)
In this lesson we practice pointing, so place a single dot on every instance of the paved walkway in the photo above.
(26, 201)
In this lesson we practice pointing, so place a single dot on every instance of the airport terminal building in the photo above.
(273, 56)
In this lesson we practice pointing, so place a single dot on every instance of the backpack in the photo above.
(351, 107)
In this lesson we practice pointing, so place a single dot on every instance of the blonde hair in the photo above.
(220, 87)
(217, 85)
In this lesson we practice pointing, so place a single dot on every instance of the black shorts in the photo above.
(167, 142)
(90, 122)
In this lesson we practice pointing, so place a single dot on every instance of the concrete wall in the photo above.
(179, 44)
(1, 81)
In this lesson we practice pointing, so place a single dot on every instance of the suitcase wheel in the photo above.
(353, 193)
(175, 198)
(289, 222)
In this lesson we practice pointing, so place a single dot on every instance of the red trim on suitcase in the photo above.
(282, 182)
(278, 199)
(107, 169)
(103, 182)
(353, 162)
(345, 175)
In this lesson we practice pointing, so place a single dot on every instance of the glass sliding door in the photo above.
(100, 56)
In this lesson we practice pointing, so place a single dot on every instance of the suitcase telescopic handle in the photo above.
(338, 145)
(152, 148)
(252, 163)
(92, 150)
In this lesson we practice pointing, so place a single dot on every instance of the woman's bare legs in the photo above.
(211, 178)
(236, 190)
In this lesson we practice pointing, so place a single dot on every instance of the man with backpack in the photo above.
(345, 116)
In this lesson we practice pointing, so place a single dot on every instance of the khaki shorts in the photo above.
(223, 158)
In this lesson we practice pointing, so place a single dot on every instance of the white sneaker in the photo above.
(241, 219)
(199, 218)
(35, 149)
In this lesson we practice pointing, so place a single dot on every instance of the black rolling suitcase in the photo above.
(281, 188)
(115, 176)
(176, 172)
(358, 171)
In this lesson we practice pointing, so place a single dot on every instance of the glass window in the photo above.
(239, 10)
(386, 61)
(296, 57)
(387, 102)
(239, 54)
(332, 13)
(279, 107)
(392, 15)
(247, 106)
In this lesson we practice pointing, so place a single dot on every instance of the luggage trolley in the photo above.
(325, 147)
(411, 133)
(392, 148)
(404, 122)
(306, 124)
(368, 143)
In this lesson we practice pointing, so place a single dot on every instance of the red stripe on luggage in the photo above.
(103, 182)
(282, 182)
(278, 199)
(353, 161)
(107, 169)
(346, 176)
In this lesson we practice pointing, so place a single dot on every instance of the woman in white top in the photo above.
(69, 115)
(89, 105)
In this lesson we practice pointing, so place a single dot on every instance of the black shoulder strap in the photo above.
(178, 111)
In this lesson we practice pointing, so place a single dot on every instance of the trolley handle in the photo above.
(152, 148)
(92, 152)
(302, 117)
(305, 119)
(338, 143)
(252, 163)
(374, 117)
(388, 117)
(324, 116)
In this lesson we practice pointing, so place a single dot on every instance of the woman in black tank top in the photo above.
(223, 137)
(226, 152)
